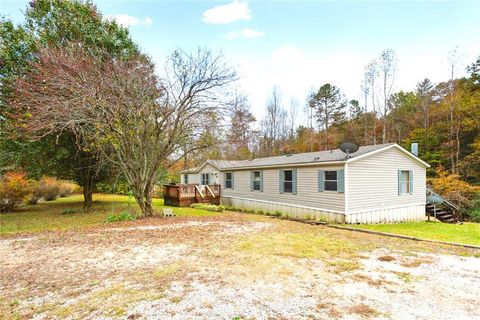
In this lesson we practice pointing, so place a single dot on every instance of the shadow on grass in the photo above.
(50, 215)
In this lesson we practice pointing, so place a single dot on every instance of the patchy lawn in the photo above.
(47, 216)
(466, 233)
(201, 265)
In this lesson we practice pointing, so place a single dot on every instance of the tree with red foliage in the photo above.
(119, 107)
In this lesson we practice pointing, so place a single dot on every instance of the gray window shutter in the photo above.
(341, 180)
(398, 182)
(261, 181)
(233, 180)
(294, 181)
(321, 180)
(280, 180)
(251, 180)
(411, 181)
(224, 180)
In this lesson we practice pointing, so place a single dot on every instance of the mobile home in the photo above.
(377, 184)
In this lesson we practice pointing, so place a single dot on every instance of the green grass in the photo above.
(47, 216)
(299, 245)
(467, 233)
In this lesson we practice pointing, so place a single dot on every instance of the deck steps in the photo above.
(441, 213)
(441, 208)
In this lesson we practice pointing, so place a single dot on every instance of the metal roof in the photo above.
(335, 155)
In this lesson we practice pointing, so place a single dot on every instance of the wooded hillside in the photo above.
(444, 118)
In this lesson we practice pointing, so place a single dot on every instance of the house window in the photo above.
(331, 181)
(256, 180)
(228, 180)
(287, 181)
(404, 182)
(205, 178)
(185, 179)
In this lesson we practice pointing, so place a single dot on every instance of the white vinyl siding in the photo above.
(373, 182)
(196, 178)
(193, 178)
(306, 186)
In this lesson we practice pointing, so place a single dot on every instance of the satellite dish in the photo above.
(348, 148)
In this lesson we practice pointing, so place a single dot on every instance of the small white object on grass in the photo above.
(168, 213)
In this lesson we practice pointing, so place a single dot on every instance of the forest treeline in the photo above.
(444, 118)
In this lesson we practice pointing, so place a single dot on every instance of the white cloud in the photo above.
(126, 20)
(228, 13)
(147, 21)
(245, 34)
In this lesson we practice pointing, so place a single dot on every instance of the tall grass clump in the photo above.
(207, 207)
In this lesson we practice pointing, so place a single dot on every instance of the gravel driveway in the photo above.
(233, 266)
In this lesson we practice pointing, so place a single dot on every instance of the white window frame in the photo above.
(207, 176)
(403, 183)
(286, 181)
(229, 180)
(325, 180)
(257, 183)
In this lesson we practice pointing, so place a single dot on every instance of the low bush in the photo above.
(208, 207)
(113, 188)
(35, 194)
(473, 213)
(277, 213)
(14, 188)
(67, 188)
(69, 211)
(124, 216)
(251, 211)
(49, 188)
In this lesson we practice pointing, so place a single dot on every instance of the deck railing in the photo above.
(186, 194)
(457, 210)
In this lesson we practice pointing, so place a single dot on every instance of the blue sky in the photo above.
(300, 45)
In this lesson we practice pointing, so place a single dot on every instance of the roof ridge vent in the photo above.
(317, 158)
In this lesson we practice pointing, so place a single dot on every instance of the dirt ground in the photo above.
(233, 266)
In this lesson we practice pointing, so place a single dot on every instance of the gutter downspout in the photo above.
(346, 189)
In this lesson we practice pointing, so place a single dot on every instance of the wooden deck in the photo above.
(183, 195)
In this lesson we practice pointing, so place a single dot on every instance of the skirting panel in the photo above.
(285, 209)
(388, 215)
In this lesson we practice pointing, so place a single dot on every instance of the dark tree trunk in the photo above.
(148, 196)
(88, 189)
(384, 129)
(144, 198)
(88, 172)
(145, 205)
